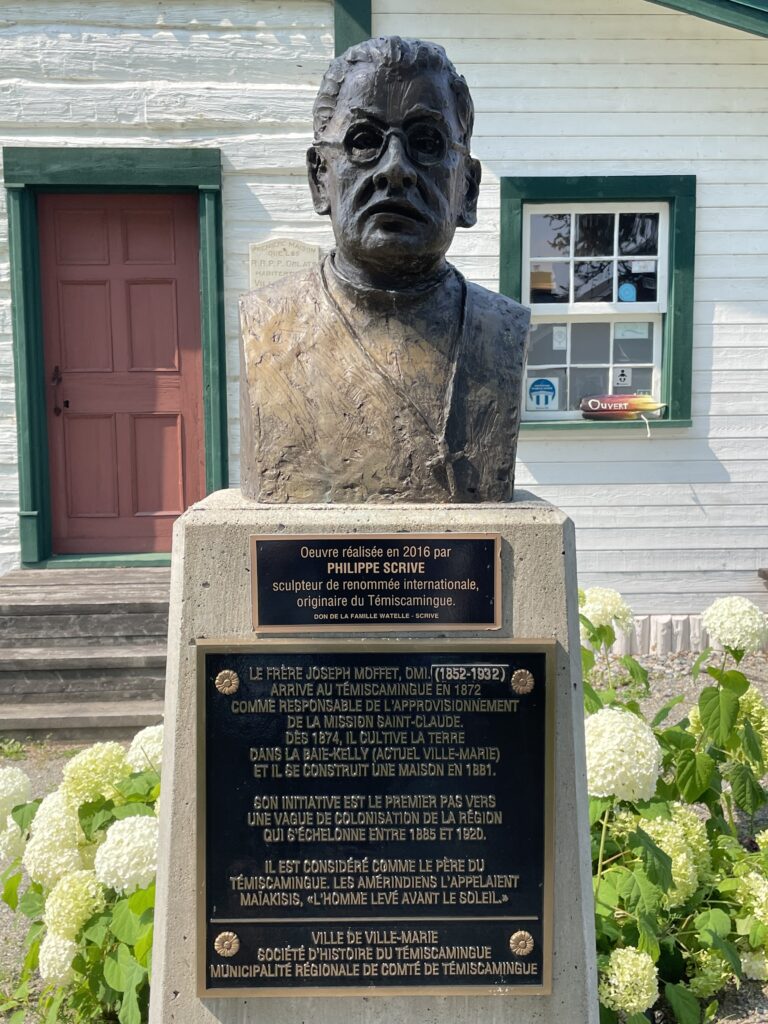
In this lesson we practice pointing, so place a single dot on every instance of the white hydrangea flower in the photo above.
(56, 956)
(93, 772)
(753, 890)
(74, 899)
(754, 964)
(695, 833)
(11, 843)
(55, 838)
(606, 607)
(762, 839)
(709, 973)
(736, 622)
(629, 983)
(623, 756)
(146, 750)
(15, 789)
(127, 860)
(669, 835)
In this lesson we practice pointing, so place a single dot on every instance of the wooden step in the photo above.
(91, 720)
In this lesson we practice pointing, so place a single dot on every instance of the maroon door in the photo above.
(123, 364)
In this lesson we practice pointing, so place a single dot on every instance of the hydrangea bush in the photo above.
(81, 865)
(680, 873)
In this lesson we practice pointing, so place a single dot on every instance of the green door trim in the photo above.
(27, 171)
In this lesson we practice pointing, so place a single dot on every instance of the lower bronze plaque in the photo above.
(375, 817)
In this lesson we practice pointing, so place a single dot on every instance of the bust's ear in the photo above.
(468, 212)
(316, 171)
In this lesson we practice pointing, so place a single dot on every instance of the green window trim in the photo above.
(352, 21)
(28, 170)
(679, 191)
(747, 15)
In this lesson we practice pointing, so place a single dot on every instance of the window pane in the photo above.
(594, 234)
(545, 391)
(591, 343)
(587, 382)
(638, 234)
(593, 282)
(633, 343)
(549, 282)
(637, 281)
(551, 234)
(637, 380)
(548, 344)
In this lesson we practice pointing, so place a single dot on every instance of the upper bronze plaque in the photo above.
(375, 582)
(382, 374)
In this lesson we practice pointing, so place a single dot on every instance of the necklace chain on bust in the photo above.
(445, 457)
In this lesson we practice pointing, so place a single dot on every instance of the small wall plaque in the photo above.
(369, 582)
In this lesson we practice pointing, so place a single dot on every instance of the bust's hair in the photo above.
(392, 51)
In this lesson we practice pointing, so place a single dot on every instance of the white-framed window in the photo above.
(596, 278)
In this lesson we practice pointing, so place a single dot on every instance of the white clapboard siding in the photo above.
(562, 87)
(604, 88)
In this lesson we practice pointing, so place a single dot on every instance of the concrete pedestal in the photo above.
(210, 598)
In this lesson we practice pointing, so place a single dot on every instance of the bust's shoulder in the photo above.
(495, 309)
(287, 294)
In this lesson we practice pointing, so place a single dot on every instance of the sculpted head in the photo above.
(390, 163)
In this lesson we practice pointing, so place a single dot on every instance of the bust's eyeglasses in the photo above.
(365, 143)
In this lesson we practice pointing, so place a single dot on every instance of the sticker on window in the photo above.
(622, 376)
(543, 393)
(559, 338)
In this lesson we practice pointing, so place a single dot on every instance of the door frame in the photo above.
(29, 170)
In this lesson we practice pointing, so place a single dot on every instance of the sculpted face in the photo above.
(393, 174)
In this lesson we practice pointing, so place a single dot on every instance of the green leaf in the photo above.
(24, 814)
(677, 738)
(684, 1003)
(750, 743)
(758, 934)
(53, 1010)
(637, 673)
(730, 953)
(95, 816)
(710, 1011)
(608, 1016)
(696, 668)
(747, 791)
(712, 922)
(735, 681)
(636, 1018)
(10, 894)
(142, 900)
(719, 709)
(648, 940)
(592, 700)
(657, 863)
(606, 896)
(138, 786)
(638, 892)
(96, 930)
(693, 774)
(587, 660)
(598, 806)
(133, 810)
(32, 903)
(663, 712)
(143, 948)
(125, 925)
(129, 1009)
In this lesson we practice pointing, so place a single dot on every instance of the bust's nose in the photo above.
(395, 169)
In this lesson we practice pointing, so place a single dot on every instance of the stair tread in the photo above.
(86, 714)
(113, 655)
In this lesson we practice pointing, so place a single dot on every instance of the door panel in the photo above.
(121, 321)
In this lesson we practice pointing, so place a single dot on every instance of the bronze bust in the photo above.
(382, 374)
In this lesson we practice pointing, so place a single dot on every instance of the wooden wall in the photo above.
(562, 87)
(596, 87)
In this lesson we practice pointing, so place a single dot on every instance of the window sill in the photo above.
(532, 427)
